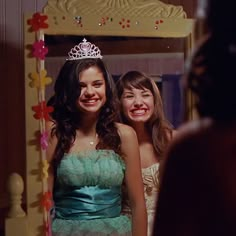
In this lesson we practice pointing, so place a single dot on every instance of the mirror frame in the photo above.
(133, 18)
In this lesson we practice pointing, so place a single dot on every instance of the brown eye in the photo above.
(82, 85)
(97, 85)
(128, 96)
(146, 95)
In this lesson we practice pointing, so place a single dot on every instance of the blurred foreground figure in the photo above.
(198, 189)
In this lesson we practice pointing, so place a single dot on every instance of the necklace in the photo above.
(92, 142)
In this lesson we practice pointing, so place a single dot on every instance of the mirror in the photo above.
(161, 58)
(128, 32)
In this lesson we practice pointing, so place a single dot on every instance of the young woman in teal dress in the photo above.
(92, 155)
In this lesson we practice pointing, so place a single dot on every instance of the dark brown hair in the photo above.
(212, 78)
(158, 126)
(66, 115)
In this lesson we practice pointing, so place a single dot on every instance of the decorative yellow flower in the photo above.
(39, 80)
(45, 167)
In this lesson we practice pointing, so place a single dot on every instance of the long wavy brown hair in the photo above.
(66, 115)
(158, 126)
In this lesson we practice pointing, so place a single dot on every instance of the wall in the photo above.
(12, 124)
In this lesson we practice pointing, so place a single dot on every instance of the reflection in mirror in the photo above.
(156, 40)
(160, 58)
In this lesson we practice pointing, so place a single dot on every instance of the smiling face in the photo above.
(137, 104)
(93, 90)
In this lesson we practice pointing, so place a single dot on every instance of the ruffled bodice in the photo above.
(87, 195)
(90, 168)
(151, 183)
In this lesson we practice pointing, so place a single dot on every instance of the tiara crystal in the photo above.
(84, 50)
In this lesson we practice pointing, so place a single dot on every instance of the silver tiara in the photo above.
(84, 50)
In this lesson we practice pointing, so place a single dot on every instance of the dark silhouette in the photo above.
(198, 192)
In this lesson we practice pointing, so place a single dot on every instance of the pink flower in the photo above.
(40, 50)
(44, 140)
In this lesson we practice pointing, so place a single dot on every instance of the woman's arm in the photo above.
(133, 179)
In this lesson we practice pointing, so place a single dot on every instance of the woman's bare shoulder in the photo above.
(129, 142)
(125, 131)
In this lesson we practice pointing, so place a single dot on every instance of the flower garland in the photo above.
(39, 80)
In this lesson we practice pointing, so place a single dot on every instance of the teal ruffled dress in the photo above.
(87, 195)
